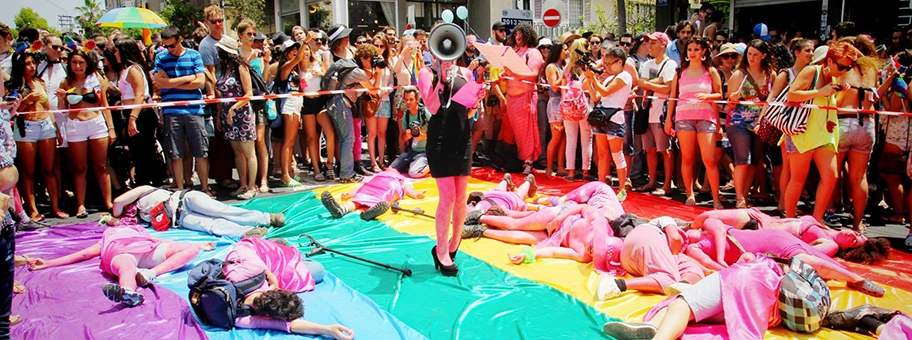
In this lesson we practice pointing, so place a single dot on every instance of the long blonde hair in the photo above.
(580, 44)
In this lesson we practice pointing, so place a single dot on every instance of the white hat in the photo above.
(819, 54)
(228, 44)
(544, 42)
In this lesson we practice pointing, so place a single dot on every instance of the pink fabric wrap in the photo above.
(521, 112)
(900, 327)
(505, 199)
(285, 263)
(386, 186)
(246, 263)
(646, 253)
(466, 96)
(128, 239)
(598, 195)
(749, 302)
(261, 322)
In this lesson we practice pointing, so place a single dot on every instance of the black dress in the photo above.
(449, 144)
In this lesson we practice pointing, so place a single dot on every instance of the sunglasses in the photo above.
(844, 68)
(359, 42)
(685, 32)
(170, 46)
(545, 47)
(216, 21)
(380, 45)
(721, 41)
(595, 42)
(501, 29)
(57, 47)
(625, 43)
(726, 57)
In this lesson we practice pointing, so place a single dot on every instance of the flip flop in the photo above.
(868, 287)
(61, 215)
(38, 218)
(18, 287)
(82, 214)
(291, 184)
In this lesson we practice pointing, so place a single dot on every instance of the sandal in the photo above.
(18, 287)
(645, 188)
(897, 218)
(61, 215)
(37, 218)
(264, 188)
(82, 214)
(212, 194)
(569, 178)
(291, 184)
(659, 192)
(320, 177)
(353, 179)
(249, 194)
(867, 287)
(690, 202)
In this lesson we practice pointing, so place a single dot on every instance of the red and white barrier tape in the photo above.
(752, 103)
(218, 100)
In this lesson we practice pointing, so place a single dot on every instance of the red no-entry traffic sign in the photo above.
(551, 17)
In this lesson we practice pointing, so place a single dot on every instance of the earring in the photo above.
(703, 58)
(687, 58)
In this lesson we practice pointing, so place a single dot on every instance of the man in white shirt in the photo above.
(656, 76)
(53, 70)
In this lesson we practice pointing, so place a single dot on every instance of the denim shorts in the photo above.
(385, 109)
(554, 112)
(855, 137)
(742, 140)
(700, 126)
(38, 130)
(613, 130)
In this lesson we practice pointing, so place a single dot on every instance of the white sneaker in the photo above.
(677, 288)
(633, 330)
(607, 288)
(144, 277)
(909, 241)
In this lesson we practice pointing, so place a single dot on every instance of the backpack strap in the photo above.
(180, 205)
(249, 285)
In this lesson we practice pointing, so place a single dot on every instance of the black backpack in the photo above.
(215, 300)
(337, 71)
(257, 83)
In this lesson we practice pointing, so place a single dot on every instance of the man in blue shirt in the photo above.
(684, 30)
(180, 75)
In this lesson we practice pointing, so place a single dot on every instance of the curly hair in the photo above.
(782, 55)
(872, 251)
(279, 304)
(529, 38)
(367, 51)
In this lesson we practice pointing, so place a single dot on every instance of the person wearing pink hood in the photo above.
(375, 196)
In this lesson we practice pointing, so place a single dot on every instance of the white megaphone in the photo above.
(447, 41)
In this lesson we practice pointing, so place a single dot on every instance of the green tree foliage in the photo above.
(640, 18)
(89, 14)
(29, 18)
(183, 15)
(236, 10)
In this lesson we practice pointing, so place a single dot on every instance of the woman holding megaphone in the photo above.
(451, 95)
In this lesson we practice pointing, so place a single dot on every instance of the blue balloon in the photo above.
(462, 12)
(447, 16)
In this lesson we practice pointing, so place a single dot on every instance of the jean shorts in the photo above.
(613, 130)
(385, 109)
(855, 137)
(700, 126)
(742, 145)
(36, 131)
(554, 112)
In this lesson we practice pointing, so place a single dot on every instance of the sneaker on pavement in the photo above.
(631, 331)
(607, 288)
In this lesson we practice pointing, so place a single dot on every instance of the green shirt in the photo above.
(418, 144)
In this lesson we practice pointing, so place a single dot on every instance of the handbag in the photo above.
(600, 116)
(368, 105)
(574, 103)
(790, 120)
(895, 164)
(641, 117)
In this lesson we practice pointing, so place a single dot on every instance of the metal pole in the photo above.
(842, 12)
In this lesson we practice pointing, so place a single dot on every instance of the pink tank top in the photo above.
(130, 239)
(811, 230)
(506, 200)
(385, 186)
(688, 88)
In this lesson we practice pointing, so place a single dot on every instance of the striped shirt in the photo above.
(189, 63)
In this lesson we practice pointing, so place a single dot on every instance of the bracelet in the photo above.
(530, 256)
(110, 128)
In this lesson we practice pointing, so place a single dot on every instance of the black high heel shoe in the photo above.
(453, 254)
(450, 270)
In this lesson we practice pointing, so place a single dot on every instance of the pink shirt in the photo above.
(504, 199)
(384, 186)
(130, 239)
(535, 61)
(688, 88)
(246, 264)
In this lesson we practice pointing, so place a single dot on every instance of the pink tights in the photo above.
(450, 208)
(356, 125)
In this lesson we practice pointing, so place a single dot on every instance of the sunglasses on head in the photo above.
(216, 21)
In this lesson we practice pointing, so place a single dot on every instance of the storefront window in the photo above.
(289, 21)
(426, 13)
(319, 15)
(367, 17)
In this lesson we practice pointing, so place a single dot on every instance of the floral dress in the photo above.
(243, 127)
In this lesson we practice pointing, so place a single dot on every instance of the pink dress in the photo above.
(522, 109)
(383, 187)
(598, 195)
(646, 253)
(749, 300)
(129, 239)
(811, 230)
(688, 88)
(776, 242)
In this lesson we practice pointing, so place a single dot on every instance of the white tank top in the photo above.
(126, 89)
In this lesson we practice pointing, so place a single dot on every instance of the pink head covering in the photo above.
(606, 251)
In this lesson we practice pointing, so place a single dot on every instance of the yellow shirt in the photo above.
(822, 127)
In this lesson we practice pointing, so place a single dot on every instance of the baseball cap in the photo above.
(660, 36)
(544, 42)
(498, 24)
(762, 31)
(819, 54)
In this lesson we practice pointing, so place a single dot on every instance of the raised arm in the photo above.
(128, 197)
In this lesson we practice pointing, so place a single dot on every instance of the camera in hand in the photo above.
(415, 128)
(378, 62)
(586, 62)
(12, 96)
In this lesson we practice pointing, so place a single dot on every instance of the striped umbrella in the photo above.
(131, 17)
